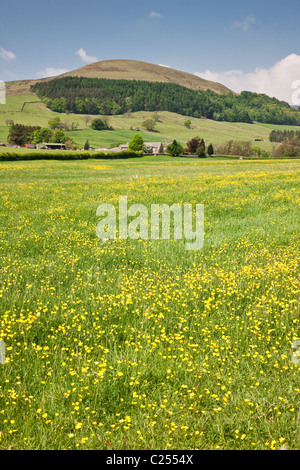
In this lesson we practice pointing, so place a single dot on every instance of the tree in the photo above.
(105, 121)
(210, 150)
(74, 125)
(193, 145)
(86, 145)
(97, 124)
(136, 143)
(17, 134)
(64, 125)
(41, 135)
(175, 149)
(201, 149)
(147, 149)
(149, 124)
(70, 144)
(255, 151)
(289, 148)
(188, 123)
(59, 137)
(161, 149)
(54, 123)
(87, 120)
(20, 134)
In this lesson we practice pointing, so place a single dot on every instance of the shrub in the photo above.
(201, 152)
(175, 149)
(98, 125)
(289, 148)
(147, 149)
(237, 148)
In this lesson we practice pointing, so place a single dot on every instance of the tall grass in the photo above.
(143, 344)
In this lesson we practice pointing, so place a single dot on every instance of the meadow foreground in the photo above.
(134, 344)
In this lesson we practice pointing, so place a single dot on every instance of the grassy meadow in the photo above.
(134, 344)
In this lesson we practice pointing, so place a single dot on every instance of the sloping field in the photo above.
(170, 126)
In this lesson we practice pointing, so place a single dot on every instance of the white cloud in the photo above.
(245, 24)
(7, 55)
(50, 72)
(86, 58)
(275, 81)
(153, 14)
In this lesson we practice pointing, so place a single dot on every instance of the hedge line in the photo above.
(14, 156)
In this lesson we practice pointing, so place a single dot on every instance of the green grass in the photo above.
(106, 138)
(141, 344)
(170, 126)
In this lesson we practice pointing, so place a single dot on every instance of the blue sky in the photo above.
(238, 42)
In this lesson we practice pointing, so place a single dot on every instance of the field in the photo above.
(134, 344)
(170, 126)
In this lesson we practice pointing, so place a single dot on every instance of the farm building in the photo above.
(53, 146)
(155, 146)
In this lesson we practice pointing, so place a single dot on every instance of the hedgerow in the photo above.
(68, 155)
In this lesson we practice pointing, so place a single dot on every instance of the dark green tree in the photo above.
(201, 149)
(210, 150)
(19, 134)
(97, 124)
(175, 149)
(86, 145)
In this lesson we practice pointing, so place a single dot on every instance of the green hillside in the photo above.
(82, 95)
(170, 125)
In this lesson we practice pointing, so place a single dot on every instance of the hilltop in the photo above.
(138, 70)
(126, 70)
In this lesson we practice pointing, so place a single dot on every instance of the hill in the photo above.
(127, 70)
(21, 107)
(106, 96)
(138, 70)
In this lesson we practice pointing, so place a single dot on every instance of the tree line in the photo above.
(283, 135)
(82, 95)
(20, 134)
(195, 146)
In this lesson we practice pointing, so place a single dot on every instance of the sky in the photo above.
(245, 45)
